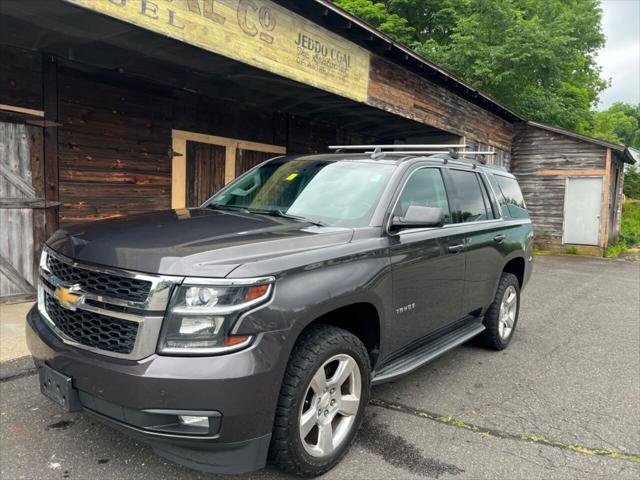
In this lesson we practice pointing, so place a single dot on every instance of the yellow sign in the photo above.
(66, 298)
(258, 32)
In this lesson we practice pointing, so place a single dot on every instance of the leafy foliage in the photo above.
(536, 56)
(631, 185)
(377, 15)
(620, 123)
(629, 229)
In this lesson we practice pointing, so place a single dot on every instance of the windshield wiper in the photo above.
(280, 213)
(233, 208)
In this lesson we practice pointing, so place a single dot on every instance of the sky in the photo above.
(620, 58)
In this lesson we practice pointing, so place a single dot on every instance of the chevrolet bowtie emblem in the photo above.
(66, 298)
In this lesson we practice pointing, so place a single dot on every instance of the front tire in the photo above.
(322, 401)
(502, 316)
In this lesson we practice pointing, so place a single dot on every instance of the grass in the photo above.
(571, 251)
(629, 229)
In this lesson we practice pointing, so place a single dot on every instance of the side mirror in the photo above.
(419, 217)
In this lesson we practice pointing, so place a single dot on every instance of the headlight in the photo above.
(200, 317)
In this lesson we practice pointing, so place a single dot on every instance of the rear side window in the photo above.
(424, 188)
(511, 197)
(472, 202)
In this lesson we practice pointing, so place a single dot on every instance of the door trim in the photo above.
(564, 209)
(179, 139)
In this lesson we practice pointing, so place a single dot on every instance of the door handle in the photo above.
(499, 238)
(456, 248)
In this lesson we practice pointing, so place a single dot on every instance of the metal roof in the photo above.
(629, 155)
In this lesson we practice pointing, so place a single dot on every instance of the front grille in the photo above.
(92, 329)
(100, 283)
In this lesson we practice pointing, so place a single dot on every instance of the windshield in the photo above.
(342, 193)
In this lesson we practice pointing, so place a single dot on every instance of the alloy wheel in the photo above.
(508, 312)
(330, 405)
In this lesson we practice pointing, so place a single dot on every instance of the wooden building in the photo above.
(113, 107)
(572, 185)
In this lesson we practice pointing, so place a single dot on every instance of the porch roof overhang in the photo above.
(92, 39)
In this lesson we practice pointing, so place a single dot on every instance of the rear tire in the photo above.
(322, 401)
(502, 316)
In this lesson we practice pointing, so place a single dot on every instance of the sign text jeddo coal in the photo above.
(259, 33)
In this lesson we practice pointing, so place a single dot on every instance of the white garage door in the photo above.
(582, 206)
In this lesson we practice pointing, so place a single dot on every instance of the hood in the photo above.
(196, 242)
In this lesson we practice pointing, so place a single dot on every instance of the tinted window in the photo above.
(470, 203)
(424, 188)
(337, 193)
(512, 197)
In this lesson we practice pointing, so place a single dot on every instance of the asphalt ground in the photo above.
(563, 401)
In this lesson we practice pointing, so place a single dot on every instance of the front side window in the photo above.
(512, 197)
(471, 204)
(424, 188)
(336, 193)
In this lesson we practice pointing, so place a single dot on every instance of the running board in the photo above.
(426, 353)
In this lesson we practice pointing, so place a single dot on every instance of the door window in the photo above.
(471, 204)
(425, 188)
(512, 197)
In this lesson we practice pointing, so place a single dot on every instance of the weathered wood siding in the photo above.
(20, 77)
(403, 93)
(113, 148)
(20, 153)
(113, 144)
(536, 150)
(615, 215)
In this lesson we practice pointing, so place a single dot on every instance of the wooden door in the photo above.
(205, 171)
(21, 220)
(582, 209)
(247, 159)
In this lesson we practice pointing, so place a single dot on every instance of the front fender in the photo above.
(305, 294)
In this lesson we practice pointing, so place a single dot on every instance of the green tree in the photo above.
(536, 56)
(377, 15)
(631, 187)
(620, 123)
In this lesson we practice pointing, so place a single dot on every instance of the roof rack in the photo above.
(390, 147)
(435, 152)
(379, 151)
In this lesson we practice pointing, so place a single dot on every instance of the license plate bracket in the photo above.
(59, 388)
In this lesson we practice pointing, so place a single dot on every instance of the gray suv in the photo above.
(253, 327)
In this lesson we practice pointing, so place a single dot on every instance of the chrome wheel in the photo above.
(330, 405)
(508, 312)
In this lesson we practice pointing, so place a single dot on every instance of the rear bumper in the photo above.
(238, 391)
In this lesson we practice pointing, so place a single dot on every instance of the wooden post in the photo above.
(50, 139)
(604, 216)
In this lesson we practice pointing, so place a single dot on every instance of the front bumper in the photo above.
(239, 390)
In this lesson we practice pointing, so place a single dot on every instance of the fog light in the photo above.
(202, 422)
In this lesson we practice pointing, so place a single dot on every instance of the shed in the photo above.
(572, 185)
